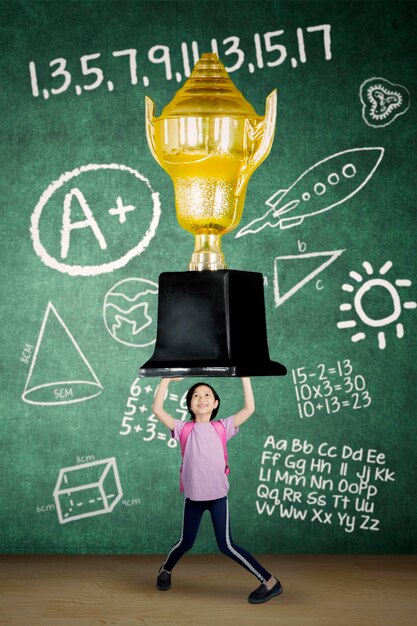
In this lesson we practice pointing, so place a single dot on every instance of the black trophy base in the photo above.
(211, 323)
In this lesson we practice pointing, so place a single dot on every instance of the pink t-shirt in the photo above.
(203, 475)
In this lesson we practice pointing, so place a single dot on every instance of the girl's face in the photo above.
(203, 402)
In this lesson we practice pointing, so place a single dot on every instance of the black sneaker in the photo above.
(163, 582)
(262, 594)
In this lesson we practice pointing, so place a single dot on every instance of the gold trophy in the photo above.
(210, 140)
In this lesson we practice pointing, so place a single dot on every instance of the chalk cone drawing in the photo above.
(130, 312)
(328, 183)
(386, 296)
(87, 490)
(59, 372)
(300, 259)
(382, 101)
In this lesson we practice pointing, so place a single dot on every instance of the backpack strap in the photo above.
(184, 434)
(220, 428)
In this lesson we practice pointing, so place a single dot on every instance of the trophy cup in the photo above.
(209, 139)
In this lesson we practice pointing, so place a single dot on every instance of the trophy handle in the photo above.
(264, 129)
(150, 126)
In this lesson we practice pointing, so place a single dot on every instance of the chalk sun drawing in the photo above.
(360, 288)
(120, 211)
(382, 101)
(59, 372)
(130, 311)
(328, 183)
(87, 490)
(324, 259)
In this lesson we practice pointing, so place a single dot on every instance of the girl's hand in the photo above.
(158, 404)
(175, 380)
(242, 415)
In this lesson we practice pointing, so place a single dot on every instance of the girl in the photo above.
(205, 481)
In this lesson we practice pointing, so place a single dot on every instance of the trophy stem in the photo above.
(207, 254)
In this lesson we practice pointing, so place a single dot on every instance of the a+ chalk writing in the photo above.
(121, 210)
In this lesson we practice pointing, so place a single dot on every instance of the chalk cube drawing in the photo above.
(87, 489)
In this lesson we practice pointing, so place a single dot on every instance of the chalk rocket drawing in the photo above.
(59, 372)
(323, 186)
(328, 257)
(382, 101)
(360, 288)
(130, 312)
(87, 489)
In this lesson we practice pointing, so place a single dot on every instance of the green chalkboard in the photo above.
(327, 462)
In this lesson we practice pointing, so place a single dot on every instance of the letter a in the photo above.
(67, 225)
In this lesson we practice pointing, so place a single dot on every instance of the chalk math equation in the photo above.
(138, 416)
(322, 484)
(325, 389)
(268, 50)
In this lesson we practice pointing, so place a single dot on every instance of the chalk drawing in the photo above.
(121, 210)
(130, 312)
(363, 287)
(382, 101)
(88, 222)
(324, 185)
(51, 204)
(278, 261)
(87, 490)
(59, 372)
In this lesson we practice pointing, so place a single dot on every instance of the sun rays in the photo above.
(363, 285)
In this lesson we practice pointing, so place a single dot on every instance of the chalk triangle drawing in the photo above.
(310, 259)
(59, 372)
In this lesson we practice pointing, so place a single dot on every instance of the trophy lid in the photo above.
(209, 91)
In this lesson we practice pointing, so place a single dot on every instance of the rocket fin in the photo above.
(258, 224)
(290, 206)
(276, 197)
(288, 222)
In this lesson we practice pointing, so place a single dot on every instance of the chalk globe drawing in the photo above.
(130, 312)
(363, 287)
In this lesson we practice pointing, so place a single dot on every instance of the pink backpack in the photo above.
(185, 432)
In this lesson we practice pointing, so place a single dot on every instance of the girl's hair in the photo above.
(190, 395)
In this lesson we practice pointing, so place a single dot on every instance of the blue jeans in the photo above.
(219, 511)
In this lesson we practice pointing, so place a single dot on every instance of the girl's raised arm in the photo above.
(158, 404)
(242, 415)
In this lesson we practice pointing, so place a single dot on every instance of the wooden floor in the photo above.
(319, 590)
